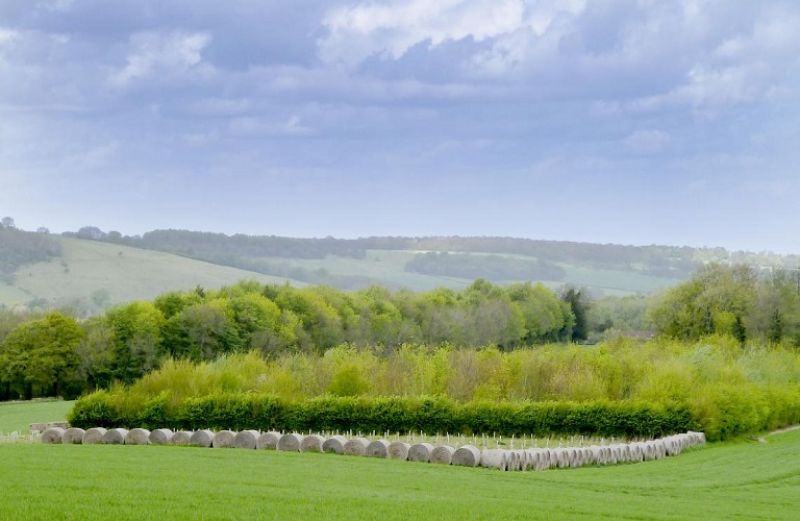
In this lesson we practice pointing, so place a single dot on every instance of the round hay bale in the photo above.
(399, 450)
(73, 435)
(53, 435)
(223, 439)
(378, 449)
(202, 438)
(268, 440)
(115, 436)
(290, 442)
(94, 435)
(138, 437)
(161, 436)
(420, 452)
(246, 439)
(494, 459)
(443, 454)
(312, 443)
(467, 456)
(356, 447)
(181, 438)
(334, 445)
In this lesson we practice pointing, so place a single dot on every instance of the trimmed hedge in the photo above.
(430, 415)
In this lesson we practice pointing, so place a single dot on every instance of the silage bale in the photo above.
(443, 454)
(356, 447)
(181, 438)
(268, 440)
(246, 439)
(73, 435)
(94, 435)
(115, 436)
(290, 442)
(334, 445)
(494, 459)
(399, 450)
(378, 449)
(420, 452)
(312, 443)
(161, 436)
(137, 437)
(202, 438)
(223, 439)
(53, 435)
(467, 456)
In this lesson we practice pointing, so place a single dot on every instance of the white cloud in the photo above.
(647, 141)
(154, 53)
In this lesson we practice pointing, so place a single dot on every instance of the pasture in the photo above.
(17, 416)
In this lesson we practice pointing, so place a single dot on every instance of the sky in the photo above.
(636, 122)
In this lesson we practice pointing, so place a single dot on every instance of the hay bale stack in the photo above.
(334, 445)
(94, 435)
(399, 450)
(378, 449)
(420, 452)
(356, 447)
(467, 456)
(182, 438)
(138, 437)
(268, 440)
(53, 435)
(161, 436)
(115, 436)
(246, 439)
(494, 459)
(443, 454)
(290, 442)
(73, 435)
(202, 438)
(312, 443)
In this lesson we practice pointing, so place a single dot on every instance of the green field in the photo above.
(735, 480)
(17, 416)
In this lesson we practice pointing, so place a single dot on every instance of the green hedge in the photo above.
(429, 415)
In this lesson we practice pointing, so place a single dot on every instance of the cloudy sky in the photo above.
(636, 121)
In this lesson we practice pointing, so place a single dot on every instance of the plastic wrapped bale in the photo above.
(312, 443)
(420, 452)
(356, 447)
(467, 456)
(161, 436)
(514, 460)
(399, 450)
(637, 452)
(202, 438)
(562, 457)
(268, 440)
(53, 435)
(138, 437)
(378, 449)
(115, 436)
(494, 459)
(73, 435)
(181, 438)
(443, 454)
(223, 439)
(246, 439)
(290, 442)
(334, 445)
(94, 435)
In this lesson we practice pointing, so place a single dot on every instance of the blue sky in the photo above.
(672, 122)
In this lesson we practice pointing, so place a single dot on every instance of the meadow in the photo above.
(17, 416)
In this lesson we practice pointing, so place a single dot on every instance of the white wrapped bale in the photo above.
(334, 445)
(94, 435)
(290, 442)
(312, 443)
(399, 450)
(53, 435)
(378, 449)
(137, 437)
(268, 440)
(246, 439)
(223, 439)
(420, 452)
(494, 459)
(181, 438)
(356, 447)
(202, 438)
(73, 436)
(161, 436)
(443, 454)
(115, 436)
(467, 456)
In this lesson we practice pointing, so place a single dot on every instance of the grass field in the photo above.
(738, 480)
(17, 416)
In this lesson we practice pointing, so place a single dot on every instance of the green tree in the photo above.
(135, 339)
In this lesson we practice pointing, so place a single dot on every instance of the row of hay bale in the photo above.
(468, 455)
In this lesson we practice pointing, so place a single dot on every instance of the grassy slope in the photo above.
(126, 273)
(17, 416)
(728, 481)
